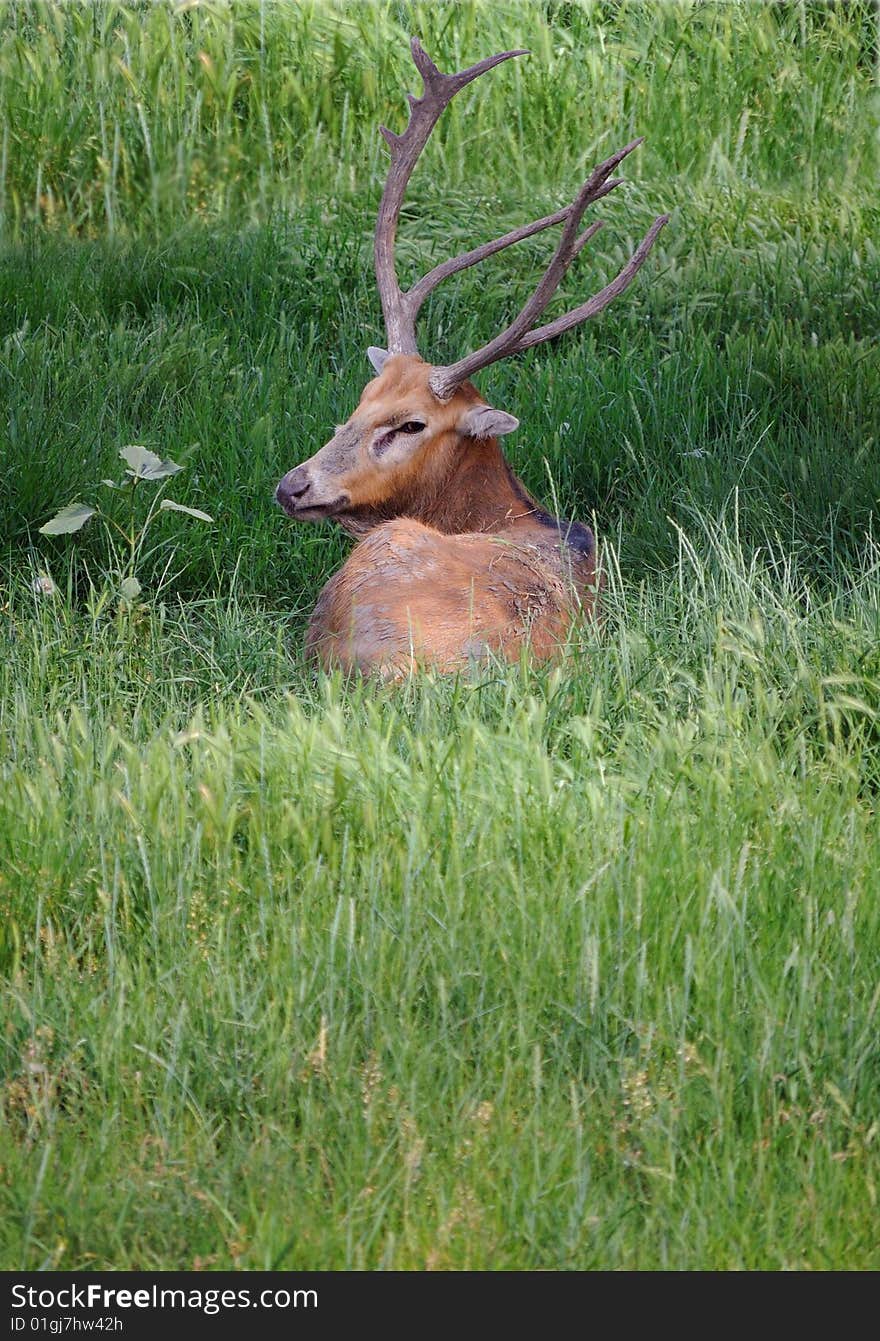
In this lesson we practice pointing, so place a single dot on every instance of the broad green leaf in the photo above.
(130, 589)
(68, 520)
(146, 465)
(178, 507)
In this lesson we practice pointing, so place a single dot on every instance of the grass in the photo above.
(141, 114)
(563, 967)
(560, 969)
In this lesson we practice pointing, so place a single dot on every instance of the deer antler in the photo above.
(401, 309)
(519, 334)
(398, 308)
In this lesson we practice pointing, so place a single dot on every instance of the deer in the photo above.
(455, 563)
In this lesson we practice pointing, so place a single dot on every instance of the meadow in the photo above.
(538, 967)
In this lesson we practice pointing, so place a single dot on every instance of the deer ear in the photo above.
(378, 357)
(482, 421)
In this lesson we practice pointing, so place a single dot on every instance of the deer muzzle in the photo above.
(307, 497)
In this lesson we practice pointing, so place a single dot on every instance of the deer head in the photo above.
(395, 452)
(413, 418)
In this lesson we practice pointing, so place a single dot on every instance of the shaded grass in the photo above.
(237, 353)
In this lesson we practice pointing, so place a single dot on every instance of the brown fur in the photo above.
(456, 561)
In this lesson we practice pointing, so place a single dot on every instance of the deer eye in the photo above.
(411, 426)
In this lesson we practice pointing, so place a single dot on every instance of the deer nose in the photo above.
(295, 483)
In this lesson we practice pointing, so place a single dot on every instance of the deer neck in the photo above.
(480, 492)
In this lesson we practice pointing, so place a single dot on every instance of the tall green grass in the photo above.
(122, 117)
(575, 968)
(540, 967)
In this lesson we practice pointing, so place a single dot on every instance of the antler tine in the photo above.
(439, 90)
(419, 292)
(519, 334)
(600, 300)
